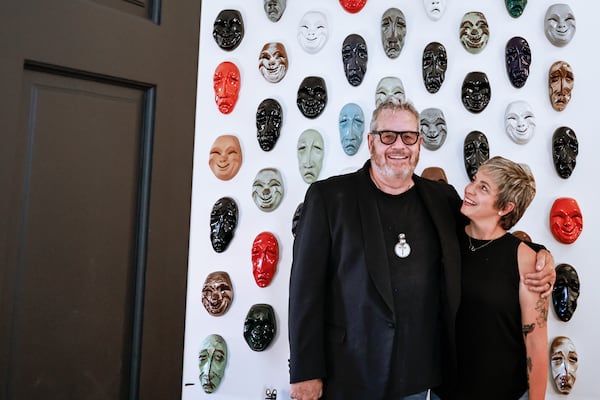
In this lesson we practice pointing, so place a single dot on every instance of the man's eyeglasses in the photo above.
(389, 137)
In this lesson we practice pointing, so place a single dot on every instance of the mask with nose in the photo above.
(566, 220)
(565, 291)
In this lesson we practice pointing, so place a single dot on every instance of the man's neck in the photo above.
(391, 186)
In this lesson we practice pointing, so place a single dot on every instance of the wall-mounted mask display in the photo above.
(565, 148)
(434, 174)
(260, 326)
(296, 217)
(352, 125)
(311, 150)
(267, 189)
(313, 31)
(225, 157)
(355, 57)
(312, 96)
(228, 29)
(566, 220)
(212, 361)
(517, 55)
(274, 9)
(223, 221)
(226, 84)
(564, 362)
(519, 121)
(476, 91)
(393, 31)
(389, 86)
(515, 8)
(269, 117)
(559, 24)
(435, 8)
(434, 66)
(476, 150)
(474, 32)
(353, 6)
(524, 236)
(273, 62)
(565, 291)
(561, 81)
(433, 128)
(265, 256)
(217, 293)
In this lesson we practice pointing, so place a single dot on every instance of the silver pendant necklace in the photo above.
(475, 248)
(402, 248)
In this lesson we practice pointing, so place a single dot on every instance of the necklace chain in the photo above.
(475, 248)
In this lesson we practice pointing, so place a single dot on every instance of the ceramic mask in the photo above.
(225, 158)
(474, 32)
(433, 128)
(273, 62)
(265, 255)
(565, 292)
(313, 31)
(476, 151)
(212, 362)
(566, 220)
(393, 32)
(559, 24)
(354, 58)
(519, 121)
(223, 222)
(476, 91)
(296, 217)
(267, 189)
(260, 326)
(515, 8)
(389, 86)
(565, 149)
(269, 117)
(524, 236)
(518, 60)
(434, 174)
(228, 29)
(311, 150)
(434, 66)
(564, 362)
(312, 96)
(561, 81)
(217, 293)
(435, 8)
(353, 6)
(226, 84)
(351, 126)
(274, 9)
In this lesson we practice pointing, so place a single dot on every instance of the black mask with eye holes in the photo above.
(565, 148)
(312, 96)
(565, 292)
(476, 151)
(476, 91)
(223, 221)
(228, 29)
(269, 117)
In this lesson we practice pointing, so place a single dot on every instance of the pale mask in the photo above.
(313, 31)
(274, 9)
(566, 220)
(225, 158)
(563, 362)
(212, 362)
(389, 86)
(561, 81)
(217, 293)
(519, 121)
(311, 150)
(226, 84)
(265, 255)
(228, 29)
(518, 60)
(565, 292)
(393, 32)
(273, 62)
(515, 7)
(476, 151)
(435, 8)
(474, 32)
(559, 24)
(434, 66)
(565, 149)
(267, 189)
(223, 221)
(433, 128)
(354, 58)
(476, 91)
(312, 96)
(352, 126)
(260, 326)
(269, 117)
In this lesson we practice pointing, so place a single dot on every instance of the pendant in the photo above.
(402, 248)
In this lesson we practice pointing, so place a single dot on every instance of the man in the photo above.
(375, 280)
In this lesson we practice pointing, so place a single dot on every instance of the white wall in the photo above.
(249, 373)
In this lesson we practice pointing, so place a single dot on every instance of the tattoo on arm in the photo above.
(527, 329)
(542, 307)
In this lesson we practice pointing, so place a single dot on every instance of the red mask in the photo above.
(566, 221)
(353, 6)
(226, 83)
(265, 255)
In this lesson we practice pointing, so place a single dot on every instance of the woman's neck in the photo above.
(484, 231)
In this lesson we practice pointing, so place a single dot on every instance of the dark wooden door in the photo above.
(97, 107)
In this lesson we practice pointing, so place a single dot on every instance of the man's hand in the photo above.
(542, 280)
(307, 390)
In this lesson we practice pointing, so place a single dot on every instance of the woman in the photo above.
(501, 326)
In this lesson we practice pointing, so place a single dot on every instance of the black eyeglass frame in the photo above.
(404, 135)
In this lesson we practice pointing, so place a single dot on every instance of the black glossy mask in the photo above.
(269, 117)
(476, 91)
(435, 64)
(518, 60)
(565, 292)
(228, 29)
(223, 221)
(565, 148)
(312, 96)
(260, 326)
(476, 151)
(355, 57)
